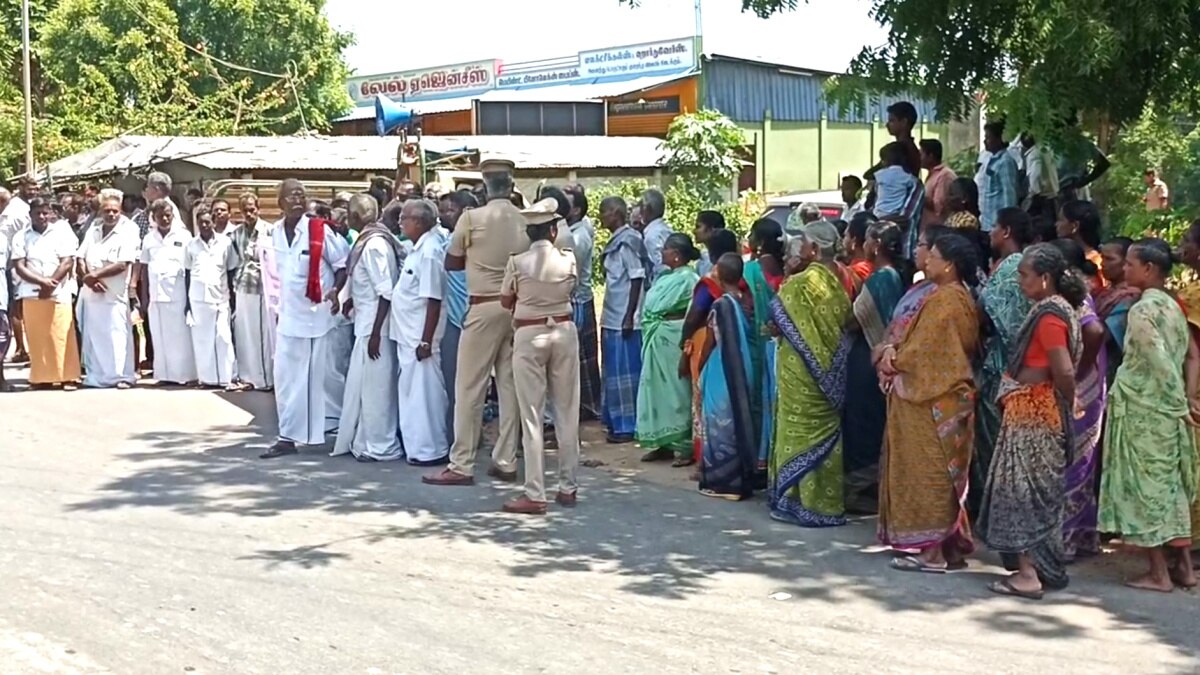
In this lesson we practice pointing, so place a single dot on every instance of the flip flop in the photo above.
(915, 564)
(1004, 587)
(683, 461)
(720, 495)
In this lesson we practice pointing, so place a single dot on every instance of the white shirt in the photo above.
(422, 279)
(584, 235)
(1041, 173)
(3, 276)
(655, 235)
(99, 250)
(163, 257)
(210, 263)
(14, 218)
(43, 253)
(298, 316)
(373, 278)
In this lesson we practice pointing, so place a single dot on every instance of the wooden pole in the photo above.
(29, 165)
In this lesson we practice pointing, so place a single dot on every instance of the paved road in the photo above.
(139, 535)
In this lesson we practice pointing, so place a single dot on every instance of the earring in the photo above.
(1043, 284)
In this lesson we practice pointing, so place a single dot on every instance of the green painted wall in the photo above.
(808, 156)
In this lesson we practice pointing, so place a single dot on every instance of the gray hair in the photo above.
(363, 208)
(111, 193)
(160, 181)
(824, 235)
(654, 204)
(423, 210)
(4, 193)
(809, 212)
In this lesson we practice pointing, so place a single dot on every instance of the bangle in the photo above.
(423, 344)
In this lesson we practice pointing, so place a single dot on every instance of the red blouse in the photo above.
(1049, 334)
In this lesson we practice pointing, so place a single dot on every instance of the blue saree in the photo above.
(729, 452)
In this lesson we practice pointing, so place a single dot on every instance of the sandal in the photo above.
(1005, 587)
(912, 563)
(681, 462)
(658, 455)
(720, 495)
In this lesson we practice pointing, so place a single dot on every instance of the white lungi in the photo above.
(174, 359)
(423, 402)
(369, 423)
(254, 340)
(107, 343)
(299, 395)
(341, 343)
(212, 341)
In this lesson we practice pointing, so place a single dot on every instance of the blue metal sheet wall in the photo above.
(744, 90)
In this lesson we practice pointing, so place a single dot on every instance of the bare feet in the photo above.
(1183, 576)
(1152, 582)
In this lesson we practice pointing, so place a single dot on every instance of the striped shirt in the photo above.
(998, 189)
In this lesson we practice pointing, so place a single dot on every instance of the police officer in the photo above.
(483, 241)
(538, 287)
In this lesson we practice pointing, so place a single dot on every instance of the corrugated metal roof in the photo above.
(744, 89)
(590, 90)
(351, 153)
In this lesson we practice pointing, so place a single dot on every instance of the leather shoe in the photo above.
(448, 477)
(502, 475)
(524, 505)
(565, 499)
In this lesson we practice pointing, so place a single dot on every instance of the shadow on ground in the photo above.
(660, 541)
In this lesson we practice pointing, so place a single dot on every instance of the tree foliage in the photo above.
(1038, 61)
(172, 67)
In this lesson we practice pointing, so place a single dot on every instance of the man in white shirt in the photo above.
(209, 264)
(165, 294)
(5, 325)
(14, 217)
(253, 323)
(310, 259)
(654, 206)
(104, 261)
(41, 257)
(418, 324)
(370, 420)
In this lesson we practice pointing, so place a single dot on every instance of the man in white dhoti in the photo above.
(341, 344)
(158, 187)
(418, 324)
(310, 259)
(369, 422)
(209, 265)
(104, 259)
(163, 252)
(253, 323)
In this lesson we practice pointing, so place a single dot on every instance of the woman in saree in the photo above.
(729, 454)
(854, 248)
(664, 398)
(927, 375)
(1189, 297)
(664, 401)
(805, 471)
(866, 413)
(1113, 303)
(1080, 220)
(1149, 476)
(1024, 499)
(963, 198)
(764, 275)
(1080, 537)
(695, 332)
(1003, 308)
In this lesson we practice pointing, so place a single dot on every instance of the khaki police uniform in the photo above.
(487, 236)
(545, 353)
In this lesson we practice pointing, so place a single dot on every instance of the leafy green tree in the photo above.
(702, 153)
(172, 67)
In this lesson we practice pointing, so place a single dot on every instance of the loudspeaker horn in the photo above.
(389, 115)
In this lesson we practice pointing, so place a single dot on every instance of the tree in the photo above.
(172, 67)
(1041, 62)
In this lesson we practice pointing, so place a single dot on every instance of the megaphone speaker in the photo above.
(389, 115)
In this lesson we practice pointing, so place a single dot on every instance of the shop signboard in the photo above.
(644, 106)
(462, 79)
(651, 58)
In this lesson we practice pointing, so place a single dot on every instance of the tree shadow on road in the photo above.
(660, 542)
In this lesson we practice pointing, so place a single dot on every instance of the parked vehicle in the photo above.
(780, 208)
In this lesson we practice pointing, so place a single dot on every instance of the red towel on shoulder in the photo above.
(316, 244)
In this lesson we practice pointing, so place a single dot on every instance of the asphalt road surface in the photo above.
(141, 535)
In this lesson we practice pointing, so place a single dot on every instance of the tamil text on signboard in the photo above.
(462, 79)
(655, 57)
(549, 76)
(645, 106)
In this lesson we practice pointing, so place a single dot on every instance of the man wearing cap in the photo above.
(483, 240)
(538, 287)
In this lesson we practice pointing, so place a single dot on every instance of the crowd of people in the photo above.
(965, 358)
